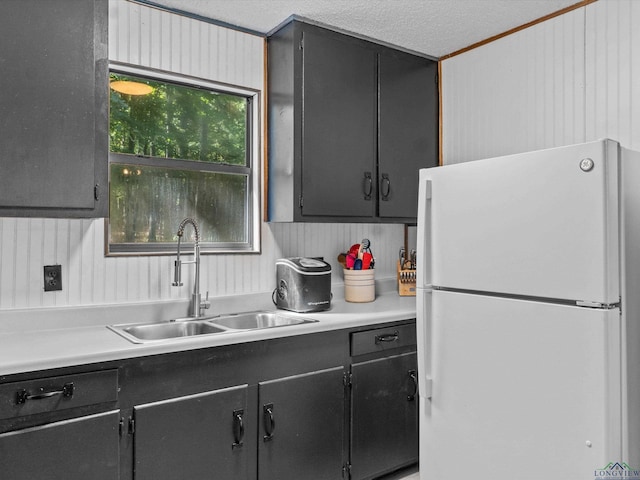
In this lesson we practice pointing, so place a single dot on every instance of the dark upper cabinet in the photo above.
(338, 125)
(408, 135)
(350, 124)
(54, 105)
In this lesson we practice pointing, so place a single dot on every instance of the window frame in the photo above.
(250, 169)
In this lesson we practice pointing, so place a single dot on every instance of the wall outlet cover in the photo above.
(52, 278)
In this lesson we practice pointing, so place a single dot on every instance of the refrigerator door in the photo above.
(520, 389)
(541, 224)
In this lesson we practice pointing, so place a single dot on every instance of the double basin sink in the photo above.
(189, 327)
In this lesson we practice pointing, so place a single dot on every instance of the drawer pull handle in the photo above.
(414, 378)
(238, 428)
(387, 337)
(269, 423)
(22, 395)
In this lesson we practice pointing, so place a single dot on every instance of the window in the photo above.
(181, 148)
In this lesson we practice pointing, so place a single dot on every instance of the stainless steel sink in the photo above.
(142, 333)
(252, 320)
(172, 330)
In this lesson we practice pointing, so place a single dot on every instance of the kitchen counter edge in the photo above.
(74, 343)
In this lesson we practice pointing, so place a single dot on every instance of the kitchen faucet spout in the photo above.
(197, 305)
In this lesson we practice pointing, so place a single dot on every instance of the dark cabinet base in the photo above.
(384, 415)
(276, 409)
(77, 449)
(302, 429)
(194, 436)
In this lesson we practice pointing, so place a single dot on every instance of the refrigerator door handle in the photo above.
(423, 260)
(424, 312)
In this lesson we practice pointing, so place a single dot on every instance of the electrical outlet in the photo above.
(52, 278)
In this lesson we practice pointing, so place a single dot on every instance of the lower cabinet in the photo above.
(384, 415)
(384, 400)
(196, 436)
(334, 405)
(60, 427)
(76, 449)
(302, 430)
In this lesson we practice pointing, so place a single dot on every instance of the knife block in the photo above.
(406, 281)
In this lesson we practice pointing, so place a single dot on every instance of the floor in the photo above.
(410, 473)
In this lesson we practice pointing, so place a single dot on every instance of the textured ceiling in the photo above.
(432, 27)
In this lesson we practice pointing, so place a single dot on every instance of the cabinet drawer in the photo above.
(383, 339)
(51, 394)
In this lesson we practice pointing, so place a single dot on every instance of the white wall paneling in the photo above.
(522, 92)
(149, 37)
(613, 71)
(571, 79)
(89, 278)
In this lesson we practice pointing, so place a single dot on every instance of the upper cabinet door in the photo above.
(339, 125)
(408, 107)
(53, 99)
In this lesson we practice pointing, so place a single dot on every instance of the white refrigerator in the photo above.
(528, 316)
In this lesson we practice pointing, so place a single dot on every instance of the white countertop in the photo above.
(28, 343)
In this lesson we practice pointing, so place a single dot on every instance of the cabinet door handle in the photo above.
(367, 185)
(269, 423)
(387, 337)
(66, 391)
(414, 378)
(385, 187)
(238, 428)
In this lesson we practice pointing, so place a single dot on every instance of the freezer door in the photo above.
(520, 390)
(542, 224)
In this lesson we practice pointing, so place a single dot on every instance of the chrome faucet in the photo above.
(197, 305)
